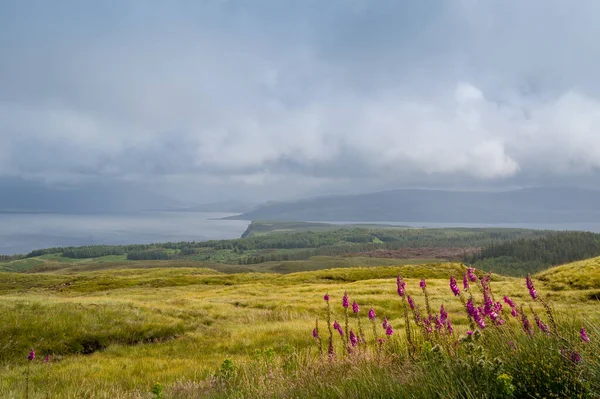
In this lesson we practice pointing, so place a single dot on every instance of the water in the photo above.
(21, 233)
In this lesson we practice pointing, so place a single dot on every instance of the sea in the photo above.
(21, 233)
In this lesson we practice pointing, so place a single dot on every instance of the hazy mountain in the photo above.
(18, 195)
(531, 205)
(223, 206)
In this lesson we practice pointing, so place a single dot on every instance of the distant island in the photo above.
(529, 205)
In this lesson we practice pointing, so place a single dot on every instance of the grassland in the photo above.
(115, 332)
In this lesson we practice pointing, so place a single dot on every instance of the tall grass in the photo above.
(213, 335)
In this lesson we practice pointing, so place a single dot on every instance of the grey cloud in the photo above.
(338, 94)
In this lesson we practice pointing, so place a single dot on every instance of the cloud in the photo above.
(264, 92)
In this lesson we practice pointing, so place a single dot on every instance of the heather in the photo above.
(199, 333)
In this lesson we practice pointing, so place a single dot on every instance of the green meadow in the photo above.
(116, 332)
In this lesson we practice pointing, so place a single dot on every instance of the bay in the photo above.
(21, 233)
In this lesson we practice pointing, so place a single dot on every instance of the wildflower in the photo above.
(449, 327)
(355, 307)
(583, 335)
(411, 303)
(486, 279)
(575, 357)
(513, 312)
(389, 331)
(530, 287)
(509, 301)
(422, 284)
(443, 315)
(475, 313)
(454, 287)
(326, 297)
(31, 355)
(471, 274)
(353, 338)
(541, 325)
(465, 282)
(315, 333)
(345, 301)
(47, 359)
(337, 326)
(401, 285)
(385, 322)
(372, 314)
(469, 333)
(526, 324)
(381, 341)
(438, 323)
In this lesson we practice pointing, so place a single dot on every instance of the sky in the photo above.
(259, 100)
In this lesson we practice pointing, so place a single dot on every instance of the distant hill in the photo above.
(223, 206)
(530, 205)
(19, 196)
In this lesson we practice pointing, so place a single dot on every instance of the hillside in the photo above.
(269, 245)
(531, 205)
(581, 275)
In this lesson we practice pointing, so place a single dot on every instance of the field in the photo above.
(115, 332)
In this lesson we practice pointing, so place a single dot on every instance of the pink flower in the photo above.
(443, 315)
(385, 322)
(47, 359)
(411, 303)
(315, 334)
(465, 282)
(469, 333)
(513, 311)
(353, 338)
(337, 326)
(401, 285)
(381, 341)
(422, 284)
(345, 301)
(449, 327)
(583, 335)
(372, 314)
(471, 274)
(575, 358)
(326, 297)
(355, 307)
(31, 355)
(389, 330)
(542, 326)
(509, 301)
(527, 326)
(454, 287)
(475, 313)
(530, 287)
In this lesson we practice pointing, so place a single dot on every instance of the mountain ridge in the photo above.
(531, 204)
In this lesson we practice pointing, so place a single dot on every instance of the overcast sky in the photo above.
(274, 99)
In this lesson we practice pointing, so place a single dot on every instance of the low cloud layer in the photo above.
(264, 95)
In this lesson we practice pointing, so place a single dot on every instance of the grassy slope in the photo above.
(59, 264)
(209, 316)
(583, 275)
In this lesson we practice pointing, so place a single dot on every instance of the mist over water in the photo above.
(21, 233)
